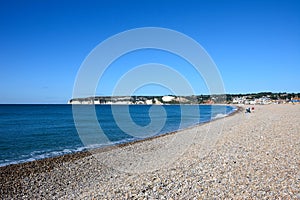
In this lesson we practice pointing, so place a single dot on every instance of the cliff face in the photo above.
(148, 100)
(253, 98)
(102, 100)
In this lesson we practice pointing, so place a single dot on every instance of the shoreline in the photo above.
(252, 155)
(87, 152)
(46, 165)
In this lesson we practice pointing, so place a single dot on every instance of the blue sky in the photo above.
(255, 44)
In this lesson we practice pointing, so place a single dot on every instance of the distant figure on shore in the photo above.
(252, 109)
(248, 110)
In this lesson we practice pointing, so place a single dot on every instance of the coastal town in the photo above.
(263, 98)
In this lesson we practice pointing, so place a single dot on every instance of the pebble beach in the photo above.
(243, 156)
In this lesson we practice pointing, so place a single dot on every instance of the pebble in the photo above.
(255, 158)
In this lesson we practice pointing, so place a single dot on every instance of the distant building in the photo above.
(295, 100)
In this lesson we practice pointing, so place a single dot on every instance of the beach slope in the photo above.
(246, 155)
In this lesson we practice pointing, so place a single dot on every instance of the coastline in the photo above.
(225, 164)
(86, 152)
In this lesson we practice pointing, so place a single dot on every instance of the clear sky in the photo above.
(255, 44)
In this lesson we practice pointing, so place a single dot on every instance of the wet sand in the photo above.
(254, 155)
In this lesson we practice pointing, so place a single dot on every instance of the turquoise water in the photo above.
(31, 132)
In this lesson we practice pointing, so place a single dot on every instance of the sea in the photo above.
(33, 132)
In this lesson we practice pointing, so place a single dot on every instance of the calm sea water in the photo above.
(31, 132)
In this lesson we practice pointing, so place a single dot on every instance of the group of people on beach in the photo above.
(248, 110)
